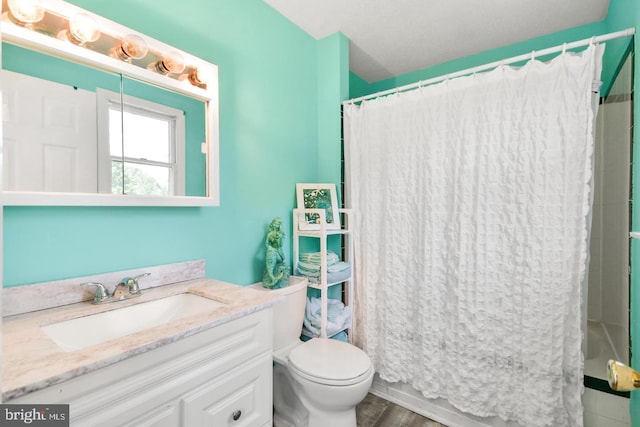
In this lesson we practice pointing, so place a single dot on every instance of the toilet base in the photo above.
(288, 410)
(330, 405)
(293, 409)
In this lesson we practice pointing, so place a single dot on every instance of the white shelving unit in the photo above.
(322, 233)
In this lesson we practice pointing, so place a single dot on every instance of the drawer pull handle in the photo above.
(236, 415)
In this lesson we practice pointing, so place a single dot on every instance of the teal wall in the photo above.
(42, 66)
(269, 114)
(333, 88)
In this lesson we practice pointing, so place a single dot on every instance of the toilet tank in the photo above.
(288, 315)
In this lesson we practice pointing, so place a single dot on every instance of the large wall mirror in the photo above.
(97, 114)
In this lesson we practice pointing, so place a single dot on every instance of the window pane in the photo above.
(115, 132)
(147, 137)
(116, 177)
(146, 179)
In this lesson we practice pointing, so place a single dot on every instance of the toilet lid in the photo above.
(327, 359)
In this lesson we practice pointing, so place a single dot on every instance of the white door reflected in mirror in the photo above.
(46, 129)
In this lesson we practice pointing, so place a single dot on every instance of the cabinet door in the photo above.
(163, 416)
(240, 398)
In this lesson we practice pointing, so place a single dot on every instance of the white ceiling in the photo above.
(394, 37)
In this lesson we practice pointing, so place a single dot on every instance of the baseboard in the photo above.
(435, 409)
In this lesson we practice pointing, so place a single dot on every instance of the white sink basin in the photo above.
(82, 332)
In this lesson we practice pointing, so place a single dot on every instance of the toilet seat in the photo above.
(330, 362)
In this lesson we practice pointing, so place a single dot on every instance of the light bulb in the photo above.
(83, 29)
(26, 12)
(172, 62)
(131, 47)
(197, 77)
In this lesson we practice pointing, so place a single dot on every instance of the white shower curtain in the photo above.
(471, 236)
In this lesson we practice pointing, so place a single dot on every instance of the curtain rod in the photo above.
(597, 39)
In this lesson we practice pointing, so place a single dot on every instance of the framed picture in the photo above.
(318, 196)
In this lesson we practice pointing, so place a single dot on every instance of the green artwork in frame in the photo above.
(318, 196)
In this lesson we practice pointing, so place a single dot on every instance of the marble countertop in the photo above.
(32, 361)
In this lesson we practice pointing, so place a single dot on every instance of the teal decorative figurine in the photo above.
(276, 271)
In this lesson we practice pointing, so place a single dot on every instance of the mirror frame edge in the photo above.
(17, 198)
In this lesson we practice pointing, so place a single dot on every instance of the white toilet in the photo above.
(317, 383)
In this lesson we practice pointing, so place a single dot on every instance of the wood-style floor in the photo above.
(374, 411)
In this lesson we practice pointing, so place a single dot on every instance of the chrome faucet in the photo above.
(102, 294)
(127, 288)
(131, 284)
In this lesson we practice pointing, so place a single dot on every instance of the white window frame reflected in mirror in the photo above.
(175, 138)
(208, 94)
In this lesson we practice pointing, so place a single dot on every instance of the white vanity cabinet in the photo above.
(220, 376)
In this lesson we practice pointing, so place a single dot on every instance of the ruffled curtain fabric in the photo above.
(472, 199)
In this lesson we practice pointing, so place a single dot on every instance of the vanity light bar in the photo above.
(61, 20)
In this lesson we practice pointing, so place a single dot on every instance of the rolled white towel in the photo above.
(338, 316)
